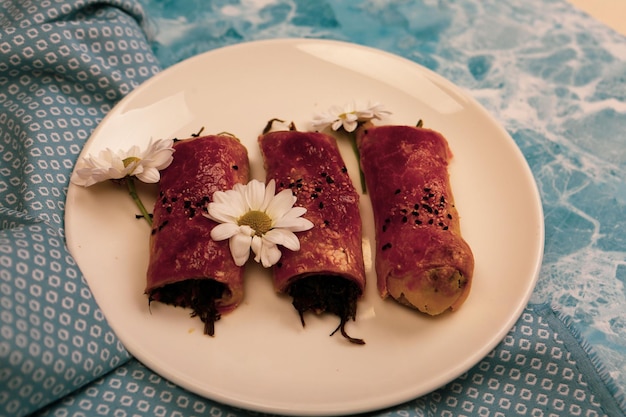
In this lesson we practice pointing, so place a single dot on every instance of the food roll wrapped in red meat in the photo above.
(186, 267)
(327, 274)
(421, 259)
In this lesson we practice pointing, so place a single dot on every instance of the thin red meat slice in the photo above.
(421, 259)
(187, 268)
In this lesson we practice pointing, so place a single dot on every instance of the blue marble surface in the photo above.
(552, 76)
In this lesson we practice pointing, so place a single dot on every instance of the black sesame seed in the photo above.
(418, 222)
(329, 179)
(415, 213)
(384, 227)
(386, 246)
(404, 219)
(313, 195)
(321, 205)
(445, 228)
(318, 189)
(344, 169)
(431, 221)
(398, 191)
(235, 167)
(426, 189)
(168, 209)
(428, 208)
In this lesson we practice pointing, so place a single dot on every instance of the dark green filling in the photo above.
(198, 294)
(330, 294)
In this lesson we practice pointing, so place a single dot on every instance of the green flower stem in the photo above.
(355, 148)
(130, 183)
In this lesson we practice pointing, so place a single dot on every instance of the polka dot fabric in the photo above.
(54, 337)
(63, 66)
(66, 65)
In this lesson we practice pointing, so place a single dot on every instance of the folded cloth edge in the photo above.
(597, 375)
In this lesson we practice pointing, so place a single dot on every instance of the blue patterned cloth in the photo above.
(551, 75)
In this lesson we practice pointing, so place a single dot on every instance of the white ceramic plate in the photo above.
(261, 358)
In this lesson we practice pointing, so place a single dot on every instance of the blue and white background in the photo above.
(552, 76)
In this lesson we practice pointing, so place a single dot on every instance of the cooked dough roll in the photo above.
(421, 259)
(187, 268)
(327, 273)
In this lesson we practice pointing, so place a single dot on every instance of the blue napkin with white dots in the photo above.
(64, 65)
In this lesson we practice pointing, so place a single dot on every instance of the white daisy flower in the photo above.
(110, 165)
(254, 218)
(349, 116)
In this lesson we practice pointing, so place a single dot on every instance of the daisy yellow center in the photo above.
(260, 222)
(130, 160)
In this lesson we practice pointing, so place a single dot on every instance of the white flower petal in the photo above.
(158, 154)
(270, 191)
(240, 247)
(237, 200)
(254, 193)
(284, 238)
(295, 212)
(227, 206)
(266, 252)
(222, 213)
(298, 224)
(337, 124)
(224, 231)
(257, 246)
(350, 125)
(149, 175)
(280, 204)
(220, 197)
(270, 255)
